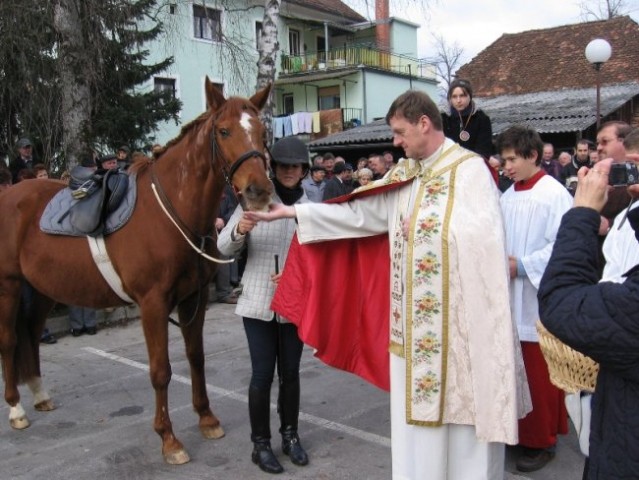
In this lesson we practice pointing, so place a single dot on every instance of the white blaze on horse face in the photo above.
(245, 121)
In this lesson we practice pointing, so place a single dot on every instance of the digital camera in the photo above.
(623, 174)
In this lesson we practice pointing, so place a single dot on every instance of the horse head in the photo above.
(238, 143)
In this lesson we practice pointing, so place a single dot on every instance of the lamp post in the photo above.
(598, 52)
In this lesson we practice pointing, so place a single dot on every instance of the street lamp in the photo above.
(598, 52)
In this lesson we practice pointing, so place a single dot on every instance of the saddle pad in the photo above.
(55, 218)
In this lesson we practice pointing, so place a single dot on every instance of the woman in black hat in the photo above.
(272, 340)
(466, 124)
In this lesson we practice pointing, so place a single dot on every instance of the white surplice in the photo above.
(532, 218)
(620, 248)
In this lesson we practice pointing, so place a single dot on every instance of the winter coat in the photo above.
(600, 320)
(265, 241)
(479, 127)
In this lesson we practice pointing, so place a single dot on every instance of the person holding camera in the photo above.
(600, 320)
(610, 145)
(532, 208)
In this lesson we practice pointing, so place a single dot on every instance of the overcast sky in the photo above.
(475, 24)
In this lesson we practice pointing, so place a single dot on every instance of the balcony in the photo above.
(355, 56)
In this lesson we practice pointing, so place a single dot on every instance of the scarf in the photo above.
(288, 195)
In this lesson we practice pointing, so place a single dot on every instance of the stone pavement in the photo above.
(102, 427)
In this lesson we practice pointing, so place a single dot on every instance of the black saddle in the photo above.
(98, 193)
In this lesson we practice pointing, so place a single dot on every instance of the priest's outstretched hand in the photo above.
(275, 211)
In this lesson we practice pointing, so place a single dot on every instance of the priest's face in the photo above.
(518, 167)
(411, 137)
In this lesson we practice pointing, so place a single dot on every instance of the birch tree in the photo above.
(268, 48)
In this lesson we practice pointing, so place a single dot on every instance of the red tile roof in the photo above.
(553, 58)
(331, 6)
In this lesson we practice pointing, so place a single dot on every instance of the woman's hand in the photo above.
(246, 224)
(275, 212)
(592, 186)
(275, 278)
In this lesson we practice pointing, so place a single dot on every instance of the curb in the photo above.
(59, 325)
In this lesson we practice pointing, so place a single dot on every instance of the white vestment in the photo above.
(532, 218)
(483, 382)
(620, 249)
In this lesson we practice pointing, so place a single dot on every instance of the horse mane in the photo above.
(139, 162)
(238, 102)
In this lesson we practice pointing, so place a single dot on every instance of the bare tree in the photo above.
(447, 59)
(603, 9)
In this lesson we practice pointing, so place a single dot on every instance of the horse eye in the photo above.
(224, 132)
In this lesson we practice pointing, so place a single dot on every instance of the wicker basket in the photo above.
(569, 370)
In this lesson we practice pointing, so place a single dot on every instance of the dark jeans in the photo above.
(263, 339)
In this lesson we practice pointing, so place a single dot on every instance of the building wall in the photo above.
(403, 37)
(194, 59)
(380, 91)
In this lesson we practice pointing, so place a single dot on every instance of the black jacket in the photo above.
(479, 128)
(335, 187)
(600, 320)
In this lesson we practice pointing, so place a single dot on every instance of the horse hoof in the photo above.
(177, 458)
(19, 423)
(44, 406)
(213, 432)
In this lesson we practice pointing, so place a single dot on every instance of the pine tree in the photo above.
(122, 114)
(51, 51)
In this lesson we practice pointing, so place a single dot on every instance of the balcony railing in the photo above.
(355, 56)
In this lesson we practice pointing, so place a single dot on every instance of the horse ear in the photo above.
(261, 97)
(214, 98)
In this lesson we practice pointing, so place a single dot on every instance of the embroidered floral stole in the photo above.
(419, 283)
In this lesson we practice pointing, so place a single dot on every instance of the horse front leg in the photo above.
(191, 313)
(155, 325)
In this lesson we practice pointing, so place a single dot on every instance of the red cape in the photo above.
(338, 295)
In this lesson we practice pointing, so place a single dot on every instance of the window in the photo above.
(258, 34)
(328, 98)
(207, 23)
(294, 42)
(165, 85)
(172, 8)
(288, 105)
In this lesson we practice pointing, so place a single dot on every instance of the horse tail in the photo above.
(25, 356)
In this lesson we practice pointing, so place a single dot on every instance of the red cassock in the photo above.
(338, 294)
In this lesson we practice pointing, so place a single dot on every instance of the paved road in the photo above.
(102, 427)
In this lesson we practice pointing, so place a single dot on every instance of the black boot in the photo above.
(259, 416)
(289, 406)
(291, 446)
(264, 457)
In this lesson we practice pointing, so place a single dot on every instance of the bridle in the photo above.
(171, 213)
(227, 172)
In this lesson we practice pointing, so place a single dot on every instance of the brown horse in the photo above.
(158, 268)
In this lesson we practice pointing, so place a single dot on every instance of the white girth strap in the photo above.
(103, 262)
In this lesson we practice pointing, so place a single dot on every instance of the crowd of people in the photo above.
(482, 238)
